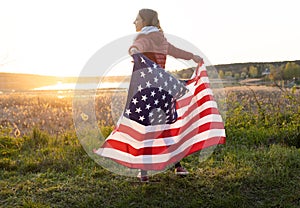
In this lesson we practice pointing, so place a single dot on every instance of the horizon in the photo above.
(122, 75)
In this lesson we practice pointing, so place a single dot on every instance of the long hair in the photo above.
(150, 18)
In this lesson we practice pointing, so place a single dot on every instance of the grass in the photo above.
(259, 166)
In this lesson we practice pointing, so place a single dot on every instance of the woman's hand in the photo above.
(197, 59)
(133, 51)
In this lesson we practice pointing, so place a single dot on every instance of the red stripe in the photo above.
(197, 104)
(161, 166)
(202, 74)
(127, 148)
(186, 101)
(164, 133)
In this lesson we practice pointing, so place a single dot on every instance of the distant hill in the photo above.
(261, 66)
(236, 68)
(11, 81)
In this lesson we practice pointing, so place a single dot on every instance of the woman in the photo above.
(153, 44)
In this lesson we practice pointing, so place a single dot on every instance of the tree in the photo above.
(291, 70)
(221, 74)
(253, 72)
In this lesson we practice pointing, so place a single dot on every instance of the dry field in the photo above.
(51, 111)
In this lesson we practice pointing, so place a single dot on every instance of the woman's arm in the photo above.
(182, 54)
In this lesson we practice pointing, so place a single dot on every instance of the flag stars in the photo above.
(134, 101)
(153, 93)
(143, 60)
(156, 102)
(150, 70)
(138, 110)
(128, 112)
(148, 84)
(148, 106)
(161, 75)
(166, 105)
(163, 97)
(160, 89)
(155, 79)
(154, 66)
(140, 88)
(142, 118)
(166, 83)
(143, 74)
(144, 98)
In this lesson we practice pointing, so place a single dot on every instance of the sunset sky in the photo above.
(59, 37)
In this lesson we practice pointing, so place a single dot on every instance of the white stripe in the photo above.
(126, 138)
(179, 123)
(160, 158)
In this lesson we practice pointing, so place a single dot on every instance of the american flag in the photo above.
(164, 119)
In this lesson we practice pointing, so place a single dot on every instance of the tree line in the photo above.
(287, 70)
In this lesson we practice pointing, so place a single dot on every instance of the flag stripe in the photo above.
(158, 162)
(133, 130)
(163, 148)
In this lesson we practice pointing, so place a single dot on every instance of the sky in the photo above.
(59, 37)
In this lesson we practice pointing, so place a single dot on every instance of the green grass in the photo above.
(41, 171)
(259, 166)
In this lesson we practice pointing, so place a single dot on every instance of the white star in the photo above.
(138, 110)
(150, 114)
(170, 78)
(141, 118)
(156, 102)
(166, 105)
(140, 88)
(161, 75)
(166, 83)
(148, 84)
(160, 88)
(143, 60)
(153, 94)
(154, 65)
(150, 70)
(158, 110)
(167, 111)
(134, 101)
(170, 92)
(174, 87)
(143, 74)
(144, 97)
(163, 97)
(128, 112)
(148, 106)
(155, 79)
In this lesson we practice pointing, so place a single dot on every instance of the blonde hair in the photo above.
(150, 17)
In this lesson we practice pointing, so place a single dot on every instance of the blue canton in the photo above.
(152, 93)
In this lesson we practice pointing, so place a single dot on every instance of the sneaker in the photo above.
(181, 171)
(143, 178)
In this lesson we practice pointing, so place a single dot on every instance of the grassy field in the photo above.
(42, 163)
